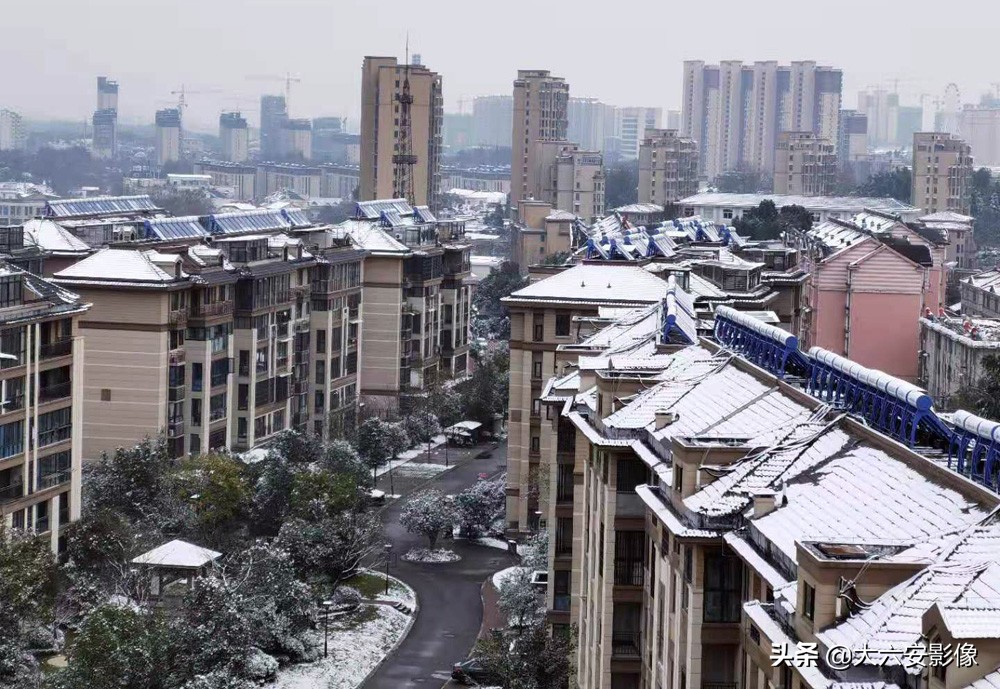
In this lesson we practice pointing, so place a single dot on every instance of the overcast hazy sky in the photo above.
(626, 52)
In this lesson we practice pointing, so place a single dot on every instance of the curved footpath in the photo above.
(448, 595)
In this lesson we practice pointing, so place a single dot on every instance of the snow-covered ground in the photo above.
(353, 653)
(503, 574)
(431, 556)
(411, 469)
(406, 457)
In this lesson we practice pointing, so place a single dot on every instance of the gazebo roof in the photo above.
(177, 554)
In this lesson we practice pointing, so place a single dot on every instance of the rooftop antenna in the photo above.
(404, 160)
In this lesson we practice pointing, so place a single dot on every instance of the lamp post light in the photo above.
(326, 605)
(388, 556)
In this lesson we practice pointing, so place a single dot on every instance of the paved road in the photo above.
(448, 594)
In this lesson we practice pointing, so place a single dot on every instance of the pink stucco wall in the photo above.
(827, 329)
(885, 332)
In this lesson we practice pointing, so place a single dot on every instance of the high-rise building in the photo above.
(491, 116)
(942, 173)
(804, 164)
(12, 136)
(235, 136)
(672, 120)
(273, 113)
(540, 114)
(668, 167)
(456, 131)
(591, 123)
(735, 111)
(572, 180)
(980, 127)
(168, 136)
(402, 111)
(296, 139)
(631, 125)
(107, 94)
(909, 121)
(105, 141)
(852, 141)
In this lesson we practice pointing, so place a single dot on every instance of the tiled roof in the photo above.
(121, 265)
(831, 203)
(50, 236)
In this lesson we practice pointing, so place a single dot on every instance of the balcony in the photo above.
(629, 572)
(55, 392)
(14, 491)
(58, 348)
(175, 393)
(175, 427)
(177, 356)
(216, 415)
(300, 387)
(54, 479)
(177, 317)
(219, 308)
(302, 325)
(281, 330)
(625, 644)
(281, 362)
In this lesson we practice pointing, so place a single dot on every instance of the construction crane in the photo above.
(288, 79)
(404, 160)
(182, 92)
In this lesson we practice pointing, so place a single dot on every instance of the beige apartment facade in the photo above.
(804, 164)
(542, 232)
(382, 92)
(540, 115)
(234, 134)
(942, 173)
(668, 167)
(168, 136)
(304, 180)
(41, 421)
(241, 178)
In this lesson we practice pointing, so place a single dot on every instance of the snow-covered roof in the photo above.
(178, 554)
(812, 203)
(53, 238)
(595, 283)
(121, 265)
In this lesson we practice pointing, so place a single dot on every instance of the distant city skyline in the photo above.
(55, 48)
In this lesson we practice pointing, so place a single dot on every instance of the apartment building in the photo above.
(942, 173)
(591, 124)
(41, 379)
(952, 350)
(705, 508)
(491, 120)
(12, 134)
(979, 125)
(273, 113)
(804, 164)
(213, 344)
(478, 178)
(724, 207)
(239, 178)
(632, 126)
(570, 179)
(735, 111)
(21, 201)
(868, 276)
(961, 238)
(417, 302)
(543, 316)
(304, 180)
(668, 167)
(981, 294)
(540, 115)
(105, 139)
(296, 139)
(388, 91)
(168, 136)
(339, 181)
(542, 232)
(235, 137)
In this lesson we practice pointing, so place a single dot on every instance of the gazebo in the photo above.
(174, 566)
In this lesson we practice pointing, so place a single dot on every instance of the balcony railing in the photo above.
(175, 393)
(56, 435)
(54, 479)
(175, 427)
(41, 525)
(55, 392)
(57, 348)
(11, 492)
(625, 644)
(281, 362)
(177, 317)
(629, 572)
(177, 356)
(219, 308)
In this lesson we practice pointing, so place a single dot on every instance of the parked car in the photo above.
(472, 672)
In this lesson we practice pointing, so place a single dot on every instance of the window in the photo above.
(536, 443)
(808, 601)
(320, 341)
(105, 394)
(539, 330)
(727, 213)
(630, 548)
(678, 477)
(564, 535)
(562, 325)
(197, 374)
(561, 590)
(217, 407)
(241, 428)
(630, 473)
(196, 411)
(242, 396)
(54, 427)
(220, 372)
(722, 588)
(536, 407)
(195, 444)
(536, 369)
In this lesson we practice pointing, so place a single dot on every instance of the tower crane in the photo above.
(182, 92)
(288, 78)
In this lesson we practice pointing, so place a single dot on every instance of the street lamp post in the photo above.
(326, 605)
(388, 555)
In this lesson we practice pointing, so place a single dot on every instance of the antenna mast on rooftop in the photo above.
(404, 159)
